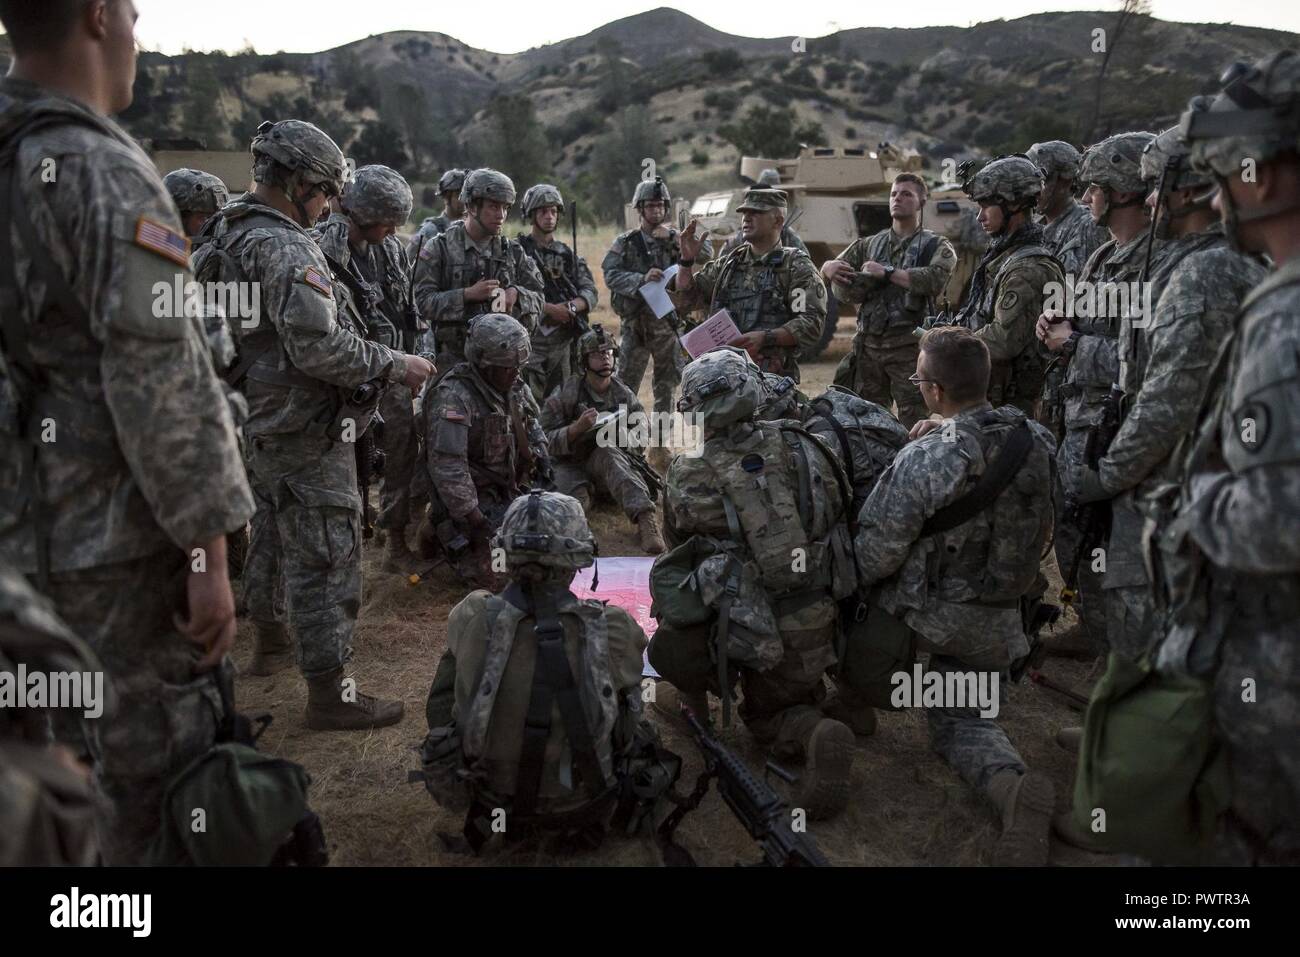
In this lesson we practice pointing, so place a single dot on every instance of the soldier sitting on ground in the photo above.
(584, 464)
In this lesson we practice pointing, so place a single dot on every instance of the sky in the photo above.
(511, 26)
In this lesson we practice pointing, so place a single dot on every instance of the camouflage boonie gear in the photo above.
(377, 195)
(487, 184)
(194, 191)
(1011, 181)
(1056, 158)
(1116, 162)
(758, 200)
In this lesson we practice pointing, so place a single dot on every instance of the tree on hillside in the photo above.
(380, 143)
(619, 158)
(768, 131)
(515, 142)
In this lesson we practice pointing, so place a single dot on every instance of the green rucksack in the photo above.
(1150, 760)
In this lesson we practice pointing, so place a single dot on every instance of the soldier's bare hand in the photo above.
(922, 427)
(751, 342)
(691, 240)
(418, 369)
(585, 422)
(482, 290)
(1058, 333)
(212, 607)
(511, 297)
(837, 270)
(558, 313)
(654, 275)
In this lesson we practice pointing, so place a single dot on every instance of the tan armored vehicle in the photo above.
(232, 167)
(839, 194)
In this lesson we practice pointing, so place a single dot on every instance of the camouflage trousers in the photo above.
(1091, 601)
(883, 364)
(166, 715)
(976, 748)
(608, 471)
(304, 554)
(401, 453)
(645, 337)
(549, 362)
(781, 706)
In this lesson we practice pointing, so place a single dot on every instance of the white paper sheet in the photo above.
(655, 294)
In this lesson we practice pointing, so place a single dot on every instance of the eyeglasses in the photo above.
(917, 380)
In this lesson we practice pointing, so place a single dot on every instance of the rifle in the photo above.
(754, 804)
(370, 464)
(1093, 519)
(582, 319)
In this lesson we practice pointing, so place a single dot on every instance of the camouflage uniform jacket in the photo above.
(632, 255)
(555, 264)
(763, 293)
(452, 262)
(381, 274)
(314, 349)
(789, 238)
(567, 403)
(952, 587)
(1073, 237)
(1002, 308)
(478, 437)
(141, 453)
(886, 307)
(432, 227)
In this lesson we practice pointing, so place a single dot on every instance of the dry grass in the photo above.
(908, 808)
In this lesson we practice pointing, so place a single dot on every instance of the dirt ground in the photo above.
(908, 807)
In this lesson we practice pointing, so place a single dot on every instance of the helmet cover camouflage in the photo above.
(595, 340)
(304, 148)
(1116, 162)
(194, 191)
(1255, 118)
(651, 189)
(496, 339)
(1056, 158)
(723, 386)
(452, 181)
(543, 194)
(781, 397)
(546, 528)
(1169, 151)
(377, 196)
(768, 179)
(487, 184)
(1009, 180)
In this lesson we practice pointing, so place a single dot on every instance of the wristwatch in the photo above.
(769, 339)
(889, 272)
(573, 310)
(686, 262)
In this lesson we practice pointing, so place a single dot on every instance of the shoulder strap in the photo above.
(823, 410)
(990, 485)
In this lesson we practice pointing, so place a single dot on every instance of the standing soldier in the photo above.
(1010, 284)
(583, 465)
(312, 381)
(773, 293)
(896, 275)
(1232, 548)
(570, 292)
(362, 248)
(449, 187)
(768, 179)
(472, 270)
(1068, 229)
(119, 467)
(483, 446)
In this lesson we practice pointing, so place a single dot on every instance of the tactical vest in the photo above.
(866, 435)
(637, 255)
(763, 307)
(556, 264)
(894, 307)
(496, 264)
(497, 445)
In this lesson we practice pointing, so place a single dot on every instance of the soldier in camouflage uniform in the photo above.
(119, 467)
(583, 464)
(741, 495)
(1013, 277)
(1087, 348)
(483, 445)
(570, 292)
(197, 196)
(959, 588)
(1068, 228)
(302, 368)
(449, 187)
(895, 275)
(1228, 546)
(364, 253)
(637, 257)
(768, 179)
(471, 269)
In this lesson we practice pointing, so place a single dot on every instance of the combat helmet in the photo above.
(1013, 182)
(1056, 158)
(452, 181)
(722, 386)
(305, 149)
(487, 184)
(194, 191)
(377, 196)
(594, 340)
(651, 189)
(768, 179)
(1116, 162)
(535, 197)
(1166, 165)
(496, 339)
(547, 529)
(781, 397)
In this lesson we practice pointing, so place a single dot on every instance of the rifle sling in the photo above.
(989, 486)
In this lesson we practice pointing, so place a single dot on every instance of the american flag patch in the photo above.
(318, 281)
(157, 238)
(425, 252)
(453, 416)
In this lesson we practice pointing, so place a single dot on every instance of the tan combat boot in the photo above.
(668, 701)
(823, 789)
(647, 530)
(1026, 802)
(272, 649)
(332, 707)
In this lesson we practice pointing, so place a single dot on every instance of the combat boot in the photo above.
(1071, 642)
(1068, 739)
(823, 789)
(647, 530)
(398, 559)
(331, 707)
(272, 649)
(668, 701)
(861, 718)
(1026, 802)
(1063, 827)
